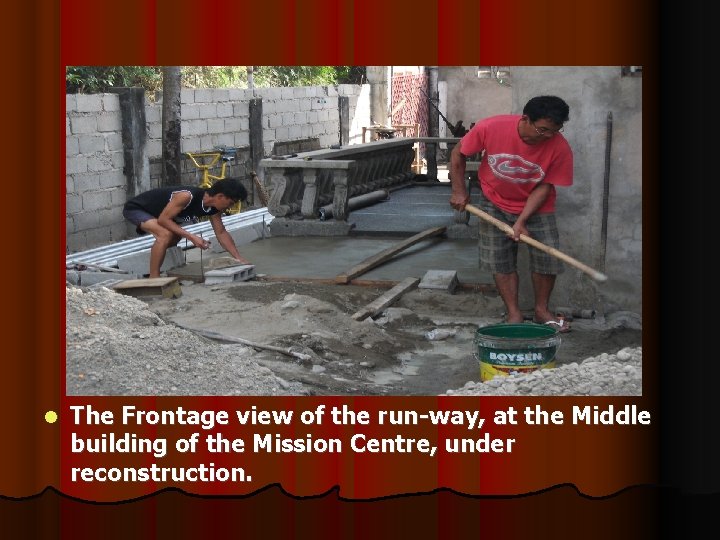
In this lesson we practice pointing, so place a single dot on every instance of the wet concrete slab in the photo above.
(378, 227)
(409, 210)
(327, 257)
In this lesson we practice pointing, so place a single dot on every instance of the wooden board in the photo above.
(485, 288)
(384, 256)
(167, 287)
(380, 303)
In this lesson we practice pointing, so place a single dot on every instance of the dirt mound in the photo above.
(117, 346)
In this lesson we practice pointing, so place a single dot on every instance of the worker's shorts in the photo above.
(498, 252)
(136, 216)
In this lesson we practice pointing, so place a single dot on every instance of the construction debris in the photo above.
(445, 280)
(375, 307)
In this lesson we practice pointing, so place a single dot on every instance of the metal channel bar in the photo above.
(108, 255)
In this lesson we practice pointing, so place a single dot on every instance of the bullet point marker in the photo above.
(51, 417)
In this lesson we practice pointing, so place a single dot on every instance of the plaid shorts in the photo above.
(498, 252)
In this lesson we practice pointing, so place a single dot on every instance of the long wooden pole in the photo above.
(598, 276)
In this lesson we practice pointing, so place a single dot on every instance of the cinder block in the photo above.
(76, 164)
(91, 143)
(224, 110)
(89, 103)
(83, 124)
(203, 95)
(187, 96)
(244, 272)
(439, 279)
(139, 262)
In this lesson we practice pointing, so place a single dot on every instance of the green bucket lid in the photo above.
(517, 336)
(517, 330)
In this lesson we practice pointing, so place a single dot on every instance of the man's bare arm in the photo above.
(534, 201)
(459, 196)
(167, 217)
(225, 239)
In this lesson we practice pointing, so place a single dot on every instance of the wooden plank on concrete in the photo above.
(484, 288)
(381, 302)
(382, 257)
(167, 287)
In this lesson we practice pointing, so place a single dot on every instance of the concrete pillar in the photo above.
(344, 113)
(171, 126)
(257, 151)
(132, 112)
(378, 79)
(433, 122)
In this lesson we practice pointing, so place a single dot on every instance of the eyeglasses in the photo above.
(546, 132)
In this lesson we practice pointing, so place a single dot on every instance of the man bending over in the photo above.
(160, 212)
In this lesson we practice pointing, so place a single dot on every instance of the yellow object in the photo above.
(488, 371)
(205, 161)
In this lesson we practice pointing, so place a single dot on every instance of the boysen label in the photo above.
(517, 358)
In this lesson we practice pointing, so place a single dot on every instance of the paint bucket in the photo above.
(504, 349)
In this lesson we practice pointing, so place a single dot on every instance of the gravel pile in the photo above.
(617, 374)
(116, 346)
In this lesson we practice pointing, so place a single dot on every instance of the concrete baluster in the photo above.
(340, 201)
(278, 183)
(310, 194)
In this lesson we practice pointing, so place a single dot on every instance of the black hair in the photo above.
(551, 107)
(230, 187)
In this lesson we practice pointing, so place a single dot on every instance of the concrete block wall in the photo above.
(214, 117)
(97, 186)
(210, 118)
(299, 113)
(95, 181)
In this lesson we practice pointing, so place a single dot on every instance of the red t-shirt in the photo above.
(510, 168)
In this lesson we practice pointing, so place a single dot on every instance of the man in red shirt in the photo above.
(524, 158)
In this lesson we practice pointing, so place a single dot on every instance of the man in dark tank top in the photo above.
(160, 211)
